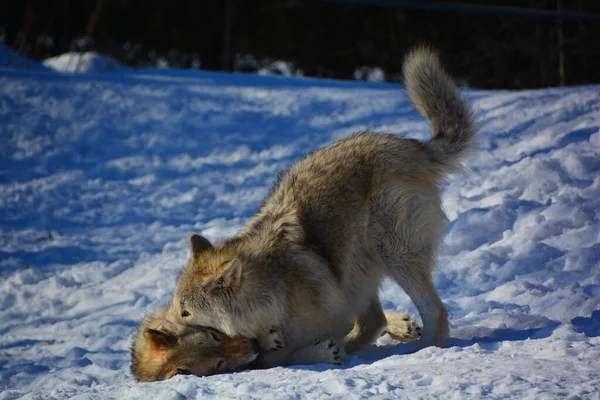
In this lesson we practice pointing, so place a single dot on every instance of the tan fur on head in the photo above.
(162, 350)
(215, 276)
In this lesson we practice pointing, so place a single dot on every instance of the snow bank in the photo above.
(83, 62)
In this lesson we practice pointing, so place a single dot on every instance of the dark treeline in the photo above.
(324, 39)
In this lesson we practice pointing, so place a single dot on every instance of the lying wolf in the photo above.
(335, 224)
(162, 349)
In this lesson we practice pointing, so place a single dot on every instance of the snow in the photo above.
(103, 176)
(369, 74)
(90, 61)
(280, 68)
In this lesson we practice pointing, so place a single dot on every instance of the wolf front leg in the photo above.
(272, 340)
(402, 326)
(367, 327)
(324, 351)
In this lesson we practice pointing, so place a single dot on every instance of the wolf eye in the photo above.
(185, 314)
(215, 338)
(181, 371)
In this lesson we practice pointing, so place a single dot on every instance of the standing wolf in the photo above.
(332, 228)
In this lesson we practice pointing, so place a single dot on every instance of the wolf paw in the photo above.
(272, 340)
(329, 352)
(402, 326)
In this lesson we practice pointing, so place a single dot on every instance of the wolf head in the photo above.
(206, 288)
(237, 286)
(162, 350)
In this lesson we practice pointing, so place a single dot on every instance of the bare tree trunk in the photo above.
(21, 39)
(227, 37)
(561, 47)
(90, 28)
(91, 25)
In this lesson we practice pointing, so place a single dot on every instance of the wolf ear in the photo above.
(198, 244)
(159, 340)
(231, 277)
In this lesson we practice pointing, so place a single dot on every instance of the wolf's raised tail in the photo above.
(437, 98)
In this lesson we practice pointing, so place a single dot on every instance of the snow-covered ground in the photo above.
(103, 176)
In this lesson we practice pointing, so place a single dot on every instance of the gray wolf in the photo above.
(335, 224)
(161, 349)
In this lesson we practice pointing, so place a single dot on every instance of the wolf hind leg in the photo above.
(367, 327)
(414, 278)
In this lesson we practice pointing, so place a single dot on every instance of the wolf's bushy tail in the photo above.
(437, 98)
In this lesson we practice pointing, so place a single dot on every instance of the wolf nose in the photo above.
(255, 346)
